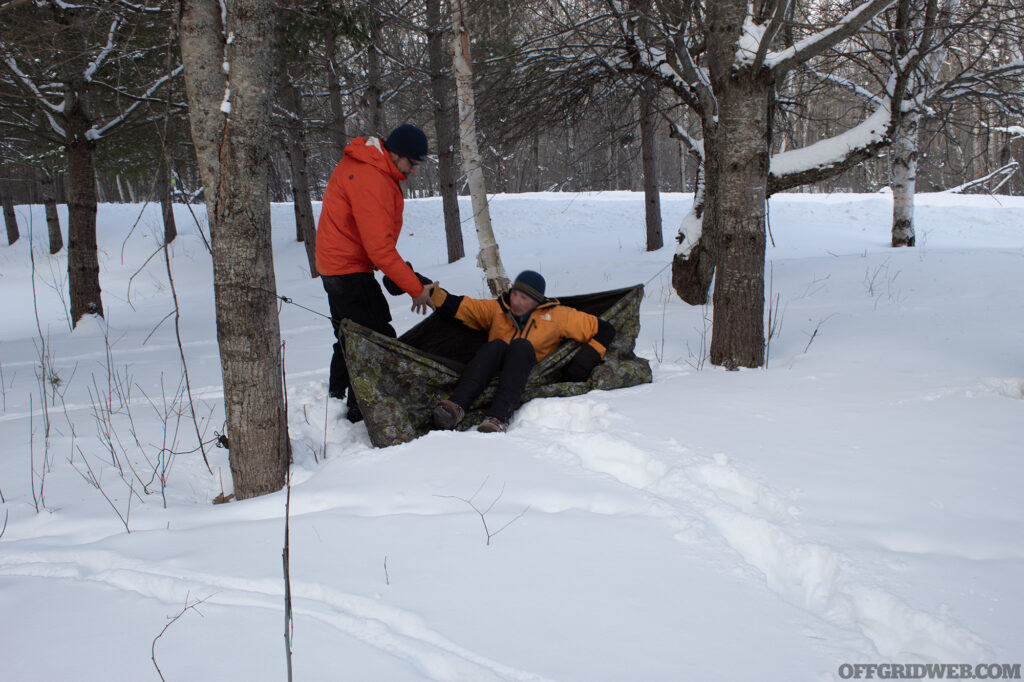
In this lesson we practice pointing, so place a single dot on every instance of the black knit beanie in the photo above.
(530, 283)
(408, 141)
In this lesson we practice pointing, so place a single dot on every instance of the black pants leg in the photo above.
(355, 297)
(484, 366)
(519, 360)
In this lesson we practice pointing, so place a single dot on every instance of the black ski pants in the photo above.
(355, 297)
(510, 362)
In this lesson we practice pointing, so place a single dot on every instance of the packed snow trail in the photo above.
(391, 630)
(699, 492)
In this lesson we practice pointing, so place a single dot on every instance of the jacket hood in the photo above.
(371, 152)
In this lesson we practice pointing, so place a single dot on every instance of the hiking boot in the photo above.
(492, 425)
(354, 415)
(447, 414)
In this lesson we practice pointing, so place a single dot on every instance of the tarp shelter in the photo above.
(397, 382)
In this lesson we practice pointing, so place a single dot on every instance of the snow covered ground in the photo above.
(858, 501)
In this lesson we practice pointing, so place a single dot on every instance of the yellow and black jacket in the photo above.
(545, 328)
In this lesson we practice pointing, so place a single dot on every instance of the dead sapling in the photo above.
(816, 328)
(483, 512)
(289, 622)
(90, 477)
(774, 318)
(171, 621)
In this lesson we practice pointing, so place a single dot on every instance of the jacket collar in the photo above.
(372, 152)
(544, 305)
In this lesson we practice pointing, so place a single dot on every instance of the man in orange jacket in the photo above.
(523, 327)
(358, 230)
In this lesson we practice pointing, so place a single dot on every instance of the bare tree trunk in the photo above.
(648, 145)
(535, 149)
(338, 136)
(233, 154)
(305, 226)
(10, 218)
(374, 106)
(904, 176)
(445, 127)
(52, 219)
(738, 227)
(163, 188)
(488, 259)
(738, 159)
(83, 263)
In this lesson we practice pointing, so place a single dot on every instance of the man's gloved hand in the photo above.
(396, 290)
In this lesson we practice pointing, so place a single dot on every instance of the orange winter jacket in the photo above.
(361, 217)
(547, 326)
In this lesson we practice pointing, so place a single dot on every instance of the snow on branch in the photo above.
(90, 71)
(984, 83)
(671, 63)
(816, 44)
(1015, 132)
(693, 145)
(1002, 174)
(95, 133)
(29, 85)
(807, 164)
(49, 108)
(848, 85)
(781, 7)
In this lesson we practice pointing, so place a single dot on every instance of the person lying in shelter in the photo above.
(523, 327)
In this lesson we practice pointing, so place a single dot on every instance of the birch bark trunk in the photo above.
(489, 259)
(903, 180)
(903, 176)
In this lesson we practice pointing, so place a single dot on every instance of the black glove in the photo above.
(587, 357)
(396, 290)
(581, 365)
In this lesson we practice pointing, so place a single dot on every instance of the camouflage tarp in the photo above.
(398, 382)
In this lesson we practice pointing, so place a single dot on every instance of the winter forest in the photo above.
(120, 101)
(701, 135)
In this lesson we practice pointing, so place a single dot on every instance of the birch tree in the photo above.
(932, 29)
(230, 81)
(488, 259)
